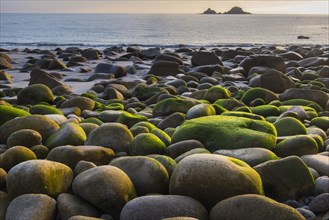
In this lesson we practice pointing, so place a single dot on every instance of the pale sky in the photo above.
(163, 6)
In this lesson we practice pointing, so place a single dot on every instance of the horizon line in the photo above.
(201, 13)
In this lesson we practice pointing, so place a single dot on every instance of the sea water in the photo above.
(103, 30)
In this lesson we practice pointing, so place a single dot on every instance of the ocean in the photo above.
(170, 30)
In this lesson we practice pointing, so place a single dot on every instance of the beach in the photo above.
(180, 132)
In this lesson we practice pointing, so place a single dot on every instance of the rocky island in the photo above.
(235, 10)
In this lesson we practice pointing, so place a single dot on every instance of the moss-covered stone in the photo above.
(81, 102)
(215, 132)
(321, 122)
(88, 127)
(146, 143)
(8, 112)
(16, 155)
(171, 105)
(200, 110)
(303, 102)
(266, 110)
(163, 136)
(211, 178)
(230, 103)
(297, 145)
(115, 106)
(254, 93)
(289, 126)
(44, 110)
(68, 134)
(310, 112)
(217, 92)
(169, 163)
(130, 119)
(92, 120)
(244, 115)
(34, 94)
(39, 123)
(24, 137)
(39, 177)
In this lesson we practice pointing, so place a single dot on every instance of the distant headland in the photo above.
(235, 10)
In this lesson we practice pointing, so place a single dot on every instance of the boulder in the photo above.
(147, 174)
(272, 80)
(4, 64)
(182, 147)
(165, 68)
(42, 77)
(5, 76)
(320, 204)
(298, 145)
(216, 92)
(71, 155)
(106, 187)
(200, 110)
(316, 96)
(81, 102)
(39, 123)
(289, 126)
(112, 135)
(70, 205)
(211, 178)
(254, 207)
(16, 155)
(8, 112)
(317, 162)
(32, 206)
(56, 64)
(205, 58)
(312, 61)
(169, 57)
(154, 207)
(39, 176)
(215, 132)
(166, 161)
(171, 105)
(251, 156)
(44, 110)
(90, 54)
(146, 143)
(150, 53)
(34, 94)
(286, 178)
(209, 70)
(69, 134)
(118, 71)
(255, 93)
(172, 121)
(270, 61)
(321, 122)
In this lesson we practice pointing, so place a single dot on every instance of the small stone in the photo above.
(320, 203)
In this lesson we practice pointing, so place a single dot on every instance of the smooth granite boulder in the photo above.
(253, 207)
(286, 178)
(8, 112)
(215, 132)
(147, 174)
(321, 122)
(298, 145)
(272, 80)
(318, 162)
(200, 110)
(270, 61)
(106, 187)
(32, 206)
(155, 207)
(202, 58)
(70, 205)
(34, 94)
(251, 156)
(317, 96)
(181, 147)
(211, 178)
(68, 134)
(118, 71)
(217, 92)
(44, 110)
(112, 135)
(39, 123)
(39, 176)
(72, 155)
(165, 68)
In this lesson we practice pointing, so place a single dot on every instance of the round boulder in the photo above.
(34, 94)
(254, 207)
(106, 187)
(147, 174)
(24, 137)
(39, 176)
(146, 143)
(211, 178)
(16, 155)
(156, 207)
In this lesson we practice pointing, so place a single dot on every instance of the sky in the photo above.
(163, 6)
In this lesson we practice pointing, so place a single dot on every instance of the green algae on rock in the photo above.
(44, 110)
(289, 126)
(146, 143)
(215, 132)
(171, 105)
(8, 112)
(35, 94)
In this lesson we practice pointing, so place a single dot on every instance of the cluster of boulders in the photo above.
(198, 134)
